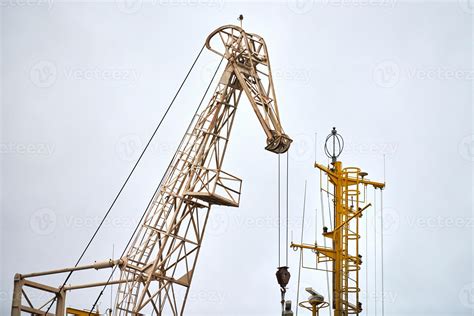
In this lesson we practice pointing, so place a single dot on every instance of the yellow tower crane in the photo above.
(347, 187)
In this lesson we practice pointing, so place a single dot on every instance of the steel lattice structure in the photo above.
(160, 263)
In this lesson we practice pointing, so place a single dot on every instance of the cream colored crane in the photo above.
(158, 266)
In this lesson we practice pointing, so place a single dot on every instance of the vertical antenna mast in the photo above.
(347, 185)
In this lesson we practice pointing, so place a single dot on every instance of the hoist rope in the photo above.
(381, 250)
(381, 241)
(315, 226)
(315, 210)
(279, 212)
(128, 178)
(301, 251)
(287, 203)
(366, 261)
(375, 251)
(163, 178)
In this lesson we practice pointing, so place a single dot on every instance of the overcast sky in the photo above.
(85, 83)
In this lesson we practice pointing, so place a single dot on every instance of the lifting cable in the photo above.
(315, 209)
(287, 202)
(381, 238)
(366, 259)
(128, 177)
(375, 251)
(381, 250)
(162, 180)
(301, 251)
(279, 212)
(286, 210)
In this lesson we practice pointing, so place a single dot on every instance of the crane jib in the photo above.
(158, 265)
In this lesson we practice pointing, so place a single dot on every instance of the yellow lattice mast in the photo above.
(347, 185)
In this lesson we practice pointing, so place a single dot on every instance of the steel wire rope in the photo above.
(128, 177)
(301, 251)
(169, 165)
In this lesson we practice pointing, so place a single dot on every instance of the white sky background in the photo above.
(394, 77)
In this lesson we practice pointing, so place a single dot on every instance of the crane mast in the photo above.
(159, 265)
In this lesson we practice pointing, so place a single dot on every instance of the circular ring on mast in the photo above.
(334, 145)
